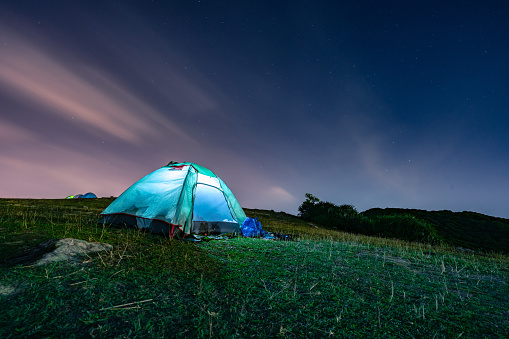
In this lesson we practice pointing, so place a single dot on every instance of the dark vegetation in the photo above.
(326, 283)
(464, 229)
(468, 230)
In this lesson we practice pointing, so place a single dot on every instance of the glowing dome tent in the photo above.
(178, 199)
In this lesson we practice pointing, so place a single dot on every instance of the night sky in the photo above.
(370, 103)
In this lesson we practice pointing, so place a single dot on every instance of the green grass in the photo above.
(326, 283)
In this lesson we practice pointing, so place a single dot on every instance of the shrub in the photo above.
(405, 227)
(346, 218)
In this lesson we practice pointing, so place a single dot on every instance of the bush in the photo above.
(346, 218)
(405, 227)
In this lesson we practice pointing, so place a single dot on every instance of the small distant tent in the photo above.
(81, 196)
(177, 200)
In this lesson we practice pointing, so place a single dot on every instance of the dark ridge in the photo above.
(470, 230)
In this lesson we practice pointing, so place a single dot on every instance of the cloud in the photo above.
(13, 133)
(279, 193)
(78, 91)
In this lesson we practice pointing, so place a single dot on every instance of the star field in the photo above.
(374, 104)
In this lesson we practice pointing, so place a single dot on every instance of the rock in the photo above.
(30, 255)
(69, 249)
(7, 291)
(54, 250)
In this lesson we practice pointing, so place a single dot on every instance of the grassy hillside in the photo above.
(469, 230)
(325, 283)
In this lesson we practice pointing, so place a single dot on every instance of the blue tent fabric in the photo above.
(252, 228)
(88, 195)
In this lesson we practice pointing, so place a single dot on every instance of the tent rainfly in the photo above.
(177, 200)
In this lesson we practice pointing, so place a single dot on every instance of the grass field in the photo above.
(324, 284)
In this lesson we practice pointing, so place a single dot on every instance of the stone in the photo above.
(69, 249)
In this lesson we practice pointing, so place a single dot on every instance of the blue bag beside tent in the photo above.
(252, 228)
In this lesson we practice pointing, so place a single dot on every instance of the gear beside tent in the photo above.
(179, 199)
(252, 228)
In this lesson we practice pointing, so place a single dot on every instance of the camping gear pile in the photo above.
(252, 228)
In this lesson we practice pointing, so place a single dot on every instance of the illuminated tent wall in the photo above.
(178, 199)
